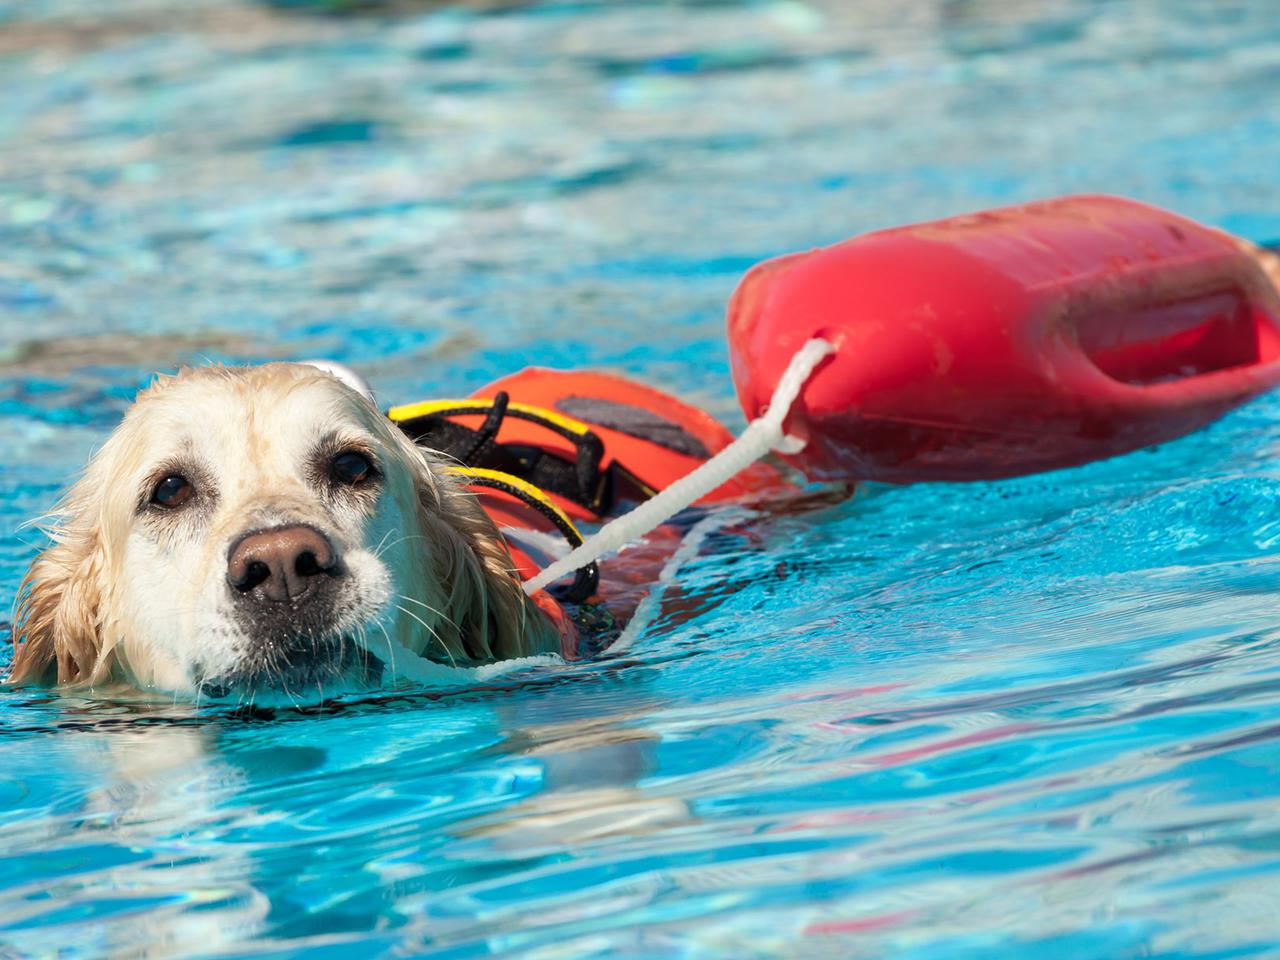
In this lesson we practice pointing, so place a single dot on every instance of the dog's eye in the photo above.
(351, 468)
(173, 491)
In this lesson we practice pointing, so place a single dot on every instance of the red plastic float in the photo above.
(1007, 342)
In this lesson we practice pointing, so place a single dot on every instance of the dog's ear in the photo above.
(488, 615)
(57, 625)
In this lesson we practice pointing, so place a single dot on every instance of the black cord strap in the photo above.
(586, 579)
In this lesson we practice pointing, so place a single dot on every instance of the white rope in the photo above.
(690, 544)
(401, 663)
(762, 435)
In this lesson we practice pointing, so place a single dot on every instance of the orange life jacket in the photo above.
(545, 448)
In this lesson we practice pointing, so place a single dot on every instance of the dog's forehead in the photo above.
(262, 414)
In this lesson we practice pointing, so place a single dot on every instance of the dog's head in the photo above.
(255, 527)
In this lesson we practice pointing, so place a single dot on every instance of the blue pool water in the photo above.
(1031, 718)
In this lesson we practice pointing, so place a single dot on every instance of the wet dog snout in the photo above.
(281, 564)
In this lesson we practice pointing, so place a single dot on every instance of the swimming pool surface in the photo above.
(1031, 718)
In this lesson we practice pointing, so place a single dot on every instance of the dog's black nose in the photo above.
(281, 564)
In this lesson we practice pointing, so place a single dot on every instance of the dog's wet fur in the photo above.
(265, 527)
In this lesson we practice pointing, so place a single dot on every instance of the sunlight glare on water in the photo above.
(1035, 717)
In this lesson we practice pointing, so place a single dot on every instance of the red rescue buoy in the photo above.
(1002, 343)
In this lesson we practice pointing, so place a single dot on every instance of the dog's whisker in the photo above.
(449, 653)
(425, 626)
(377, 554)
(391, 647)
(363, 647)
(438, 613)
(378, 548)
(284, 683)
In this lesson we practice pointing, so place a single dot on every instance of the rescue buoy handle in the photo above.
(762, 436)
(1153, 374)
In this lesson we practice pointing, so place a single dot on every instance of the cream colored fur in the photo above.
(130, 594)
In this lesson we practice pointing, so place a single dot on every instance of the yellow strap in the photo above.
(409, 411)
(528, 489)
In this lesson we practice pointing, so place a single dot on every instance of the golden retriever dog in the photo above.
(250, 528)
